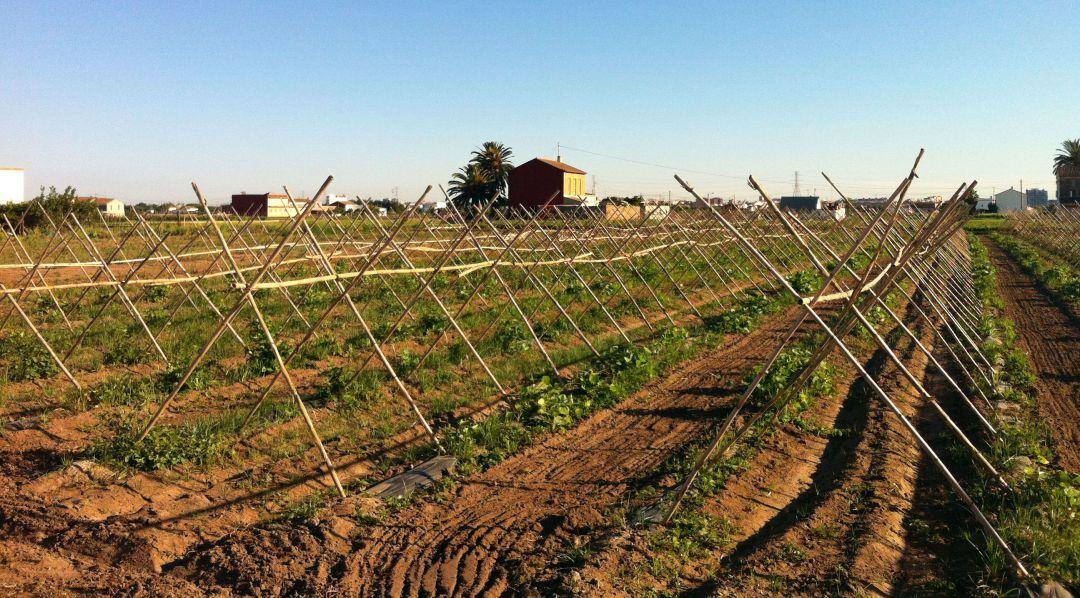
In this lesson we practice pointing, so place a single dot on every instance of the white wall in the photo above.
(11, 185)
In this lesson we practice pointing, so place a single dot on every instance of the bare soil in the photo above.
(1051, 340)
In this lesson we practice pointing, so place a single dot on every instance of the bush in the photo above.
(124, 353)
(348, 394)
(805, 281)
(55, 203)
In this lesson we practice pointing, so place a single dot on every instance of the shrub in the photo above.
(124, 353)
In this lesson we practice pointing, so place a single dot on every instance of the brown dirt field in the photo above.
(501, 528)
(812, 514)
(843, 529)
(1050, 339)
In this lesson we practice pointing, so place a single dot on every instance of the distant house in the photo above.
(797, 203)
(705, 202)
(616, 212)
(533, 184)
(983, 205)
(344, 205)
(108, 206)
(1009, 200)
(433, 206)
(1037, 198)
(1068, 185)
(266, 205)
(837, 209)
(655, 211)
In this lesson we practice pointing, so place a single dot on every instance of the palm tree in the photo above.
(494, 159)
(470, 186)
(1068, 155)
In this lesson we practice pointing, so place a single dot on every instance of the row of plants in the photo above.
(202, 441)
(1062, 281)
(985, 223)
(551, 405)
(1039, 517)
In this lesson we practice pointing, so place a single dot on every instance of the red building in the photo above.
(532, 184)
(265, 205)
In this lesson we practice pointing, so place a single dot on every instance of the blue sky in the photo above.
(136, 100)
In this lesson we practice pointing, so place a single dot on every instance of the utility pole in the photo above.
(795, 192)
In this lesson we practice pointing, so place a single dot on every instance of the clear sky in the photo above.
(135, 100)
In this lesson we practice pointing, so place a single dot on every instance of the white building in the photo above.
(108, 206)
(1009, 200)
(12, 185)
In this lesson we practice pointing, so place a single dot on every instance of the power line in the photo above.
(665, 166)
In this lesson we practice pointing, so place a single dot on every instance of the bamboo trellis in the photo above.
(576, 278)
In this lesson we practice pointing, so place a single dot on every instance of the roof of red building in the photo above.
(561, 166)
(100, 201)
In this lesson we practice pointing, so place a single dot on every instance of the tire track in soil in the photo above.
(504, 525)
(1051, 340)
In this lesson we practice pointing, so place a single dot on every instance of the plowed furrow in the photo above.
(1049, 337)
